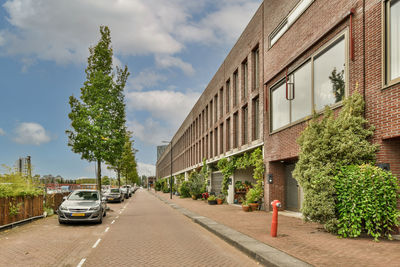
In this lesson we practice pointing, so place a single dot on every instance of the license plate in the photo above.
(78, 214)
(110, 198)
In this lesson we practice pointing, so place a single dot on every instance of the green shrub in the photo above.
(254, 194)
(159, 185)
(325, 145)
(212, 198)
(13, 184)
(184, 189)
(196, 185)
(366, 201)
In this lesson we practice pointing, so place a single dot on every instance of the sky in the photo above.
(172, 49)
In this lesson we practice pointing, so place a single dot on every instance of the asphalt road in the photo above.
(142, 231)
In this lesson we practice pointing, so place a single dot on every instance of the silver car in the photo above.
(82, 205)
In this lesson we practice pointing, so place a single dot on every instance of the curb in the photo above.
(264, 254)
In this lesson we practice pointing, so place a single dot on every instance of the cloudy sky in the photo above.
(171, 47)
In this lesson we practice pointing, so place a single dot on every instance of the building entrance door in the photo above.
(216, 181)
(292, 192)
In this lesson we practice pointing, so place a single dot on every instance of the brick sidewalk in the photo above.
(306, 241)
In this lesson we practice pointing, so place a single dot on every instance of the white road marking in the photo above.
(81, 263)
(108, 228)
(97, 242)
(113, 222)
(120, 212)
(117, 217)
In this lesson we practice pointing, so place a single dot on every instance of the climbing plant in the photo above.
(227, 166)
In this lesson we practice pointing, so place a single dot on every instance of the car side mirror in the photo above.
(64, 198)
(103, 199)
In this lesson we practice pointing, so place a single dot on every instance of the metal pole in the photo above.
(170, 181)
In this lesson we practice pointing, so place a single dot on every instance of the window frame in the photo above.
(344, 33)
(386, 80)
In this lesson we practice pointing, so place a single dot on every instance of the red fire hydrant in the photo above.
(274, 225)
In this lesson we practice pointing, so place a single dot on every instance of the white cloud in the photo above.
(146, 169)
(145, 79)
(151, 131)
(2, 132)
(31, 133)
(61, 31)
(166, 61)
(169, 106)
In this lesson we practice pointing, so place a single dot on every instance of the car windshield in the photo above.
(84, 195)
(114, 190)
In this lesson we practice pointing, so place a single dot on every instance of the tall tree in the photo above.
(98, 120)
(129, 164)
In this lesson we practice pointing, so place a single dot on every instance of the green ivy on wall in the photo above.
(227, 166)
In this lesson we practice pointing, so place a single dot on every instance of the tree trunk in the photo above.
(99, 175)
(119, 177)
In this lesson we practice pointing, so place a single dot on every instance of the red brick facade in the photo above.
(323, 20)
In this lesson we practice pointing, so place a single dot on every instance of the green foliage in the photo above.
(255, 160)
(13, 185)
(366, 201)
(196, 185)
(158, 185)
(325, 145)
(105, 180)
(205, 173)
(254, 194)
(14, 208)
(165, 188)
(128, 161)
(98, 118)
(212, 198)
(184, 189)
(338, 84)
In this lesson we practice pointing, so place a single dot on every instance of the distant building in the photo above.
(160, 151)
(23, 166)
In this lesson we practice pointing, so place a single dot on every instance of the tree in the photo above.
(98, 120)
(105, 180)
(128, 161)
(325, 146)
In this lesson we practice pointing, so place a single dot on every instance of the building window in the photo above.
(236, 88)
(216, 108)
(227, 134)
(206, 118)
(211, 145)
(392, 39)
(235, 130)
(211, 113)
(245, 113)
(256, 118)
(256, 69)
(221, 102)
(329, 74)
(245, 71)
(228, 95)
(221, 138)
(319, 82)
(288, 21)
(216, 142)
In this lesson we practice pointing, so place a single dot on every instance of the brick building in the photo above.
(278, 72)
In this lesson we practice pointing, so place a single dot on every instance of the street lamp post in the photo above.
(170, 179)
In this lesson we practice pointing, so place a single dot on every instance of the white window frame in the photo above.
(386, 79)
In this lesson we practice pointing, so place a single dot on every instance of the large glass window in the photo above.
(256, 69)
(329, 74)
(236, 130)
(280, 107)
(256, 118)
(392, 40)
(301, 103)
(326, 86)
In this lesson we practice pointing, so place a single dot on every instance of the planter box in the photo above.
(212, 202)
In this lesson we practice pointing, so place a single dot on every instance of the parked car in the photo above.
(82, 205)
(129, 189)
(125, 191)
(115, 195)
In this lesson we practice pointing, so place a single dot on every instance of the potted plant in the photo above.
(212, 200)
(220, 199)
(253, 196)
(205, 196)
(245, 206)
(196, 185)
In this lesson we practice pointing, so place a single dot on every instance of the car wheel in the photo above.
(100, 219)
(60, 222)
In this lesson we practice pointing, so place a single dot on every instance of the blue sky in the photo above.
(171, 47)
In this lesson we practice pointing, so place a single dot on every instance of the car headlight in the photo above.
(63, 208)
(95, 208)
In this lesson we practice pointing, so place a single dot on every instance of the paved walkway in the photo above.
(147, 233)
(305, 241)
